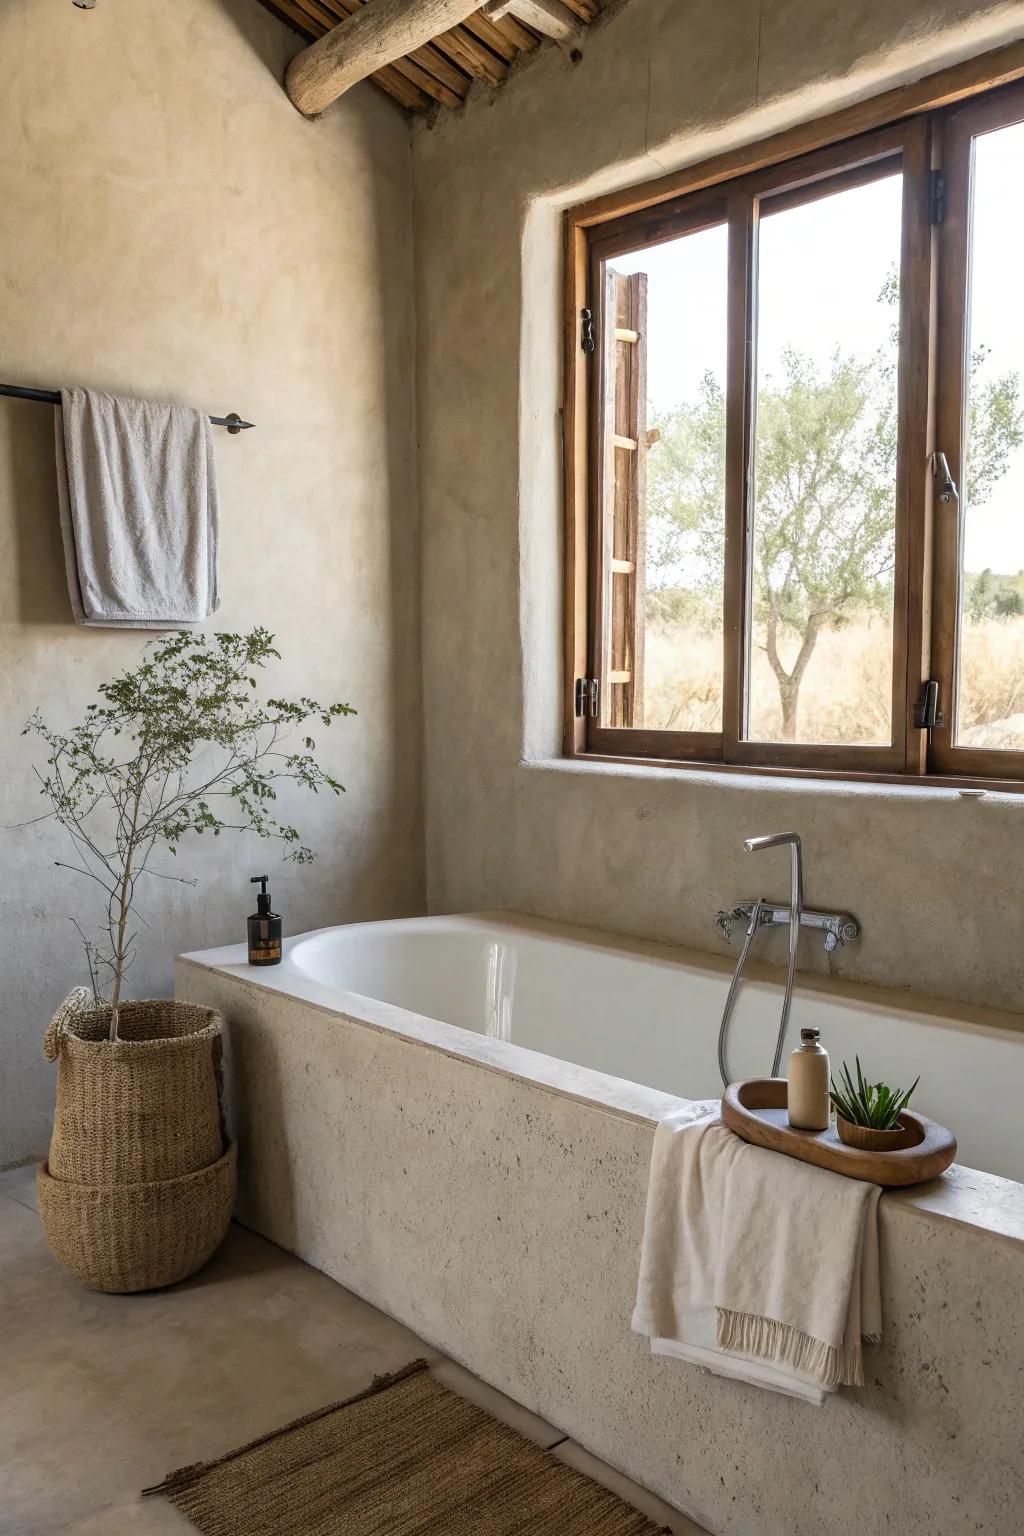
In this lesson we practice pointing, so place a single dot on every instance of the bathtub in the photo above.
(646, 1016)
(453, 1117)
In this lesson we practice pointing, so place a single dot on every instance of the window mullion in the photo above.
(954, 240)
(742, 218)
(597, 477)
(916, 443)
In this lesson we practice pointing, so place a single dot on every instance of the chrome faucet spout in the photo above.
(780, 840)
(771, 840)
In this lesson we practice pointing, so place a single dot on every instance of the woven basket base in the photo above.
(138, 1237)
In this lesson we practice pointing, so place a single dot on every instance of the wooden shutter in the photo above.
(625, 415)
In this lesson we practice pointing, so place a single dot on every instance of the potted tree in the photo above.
(139, 1185)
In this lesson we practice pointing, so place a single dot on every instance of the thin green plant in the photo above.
(875, 1106)
(181, 744)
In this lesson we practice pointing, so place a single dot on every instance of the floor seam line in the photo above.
(6, 1195)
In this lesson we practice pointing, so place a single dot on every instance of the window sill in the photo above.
(782, 778)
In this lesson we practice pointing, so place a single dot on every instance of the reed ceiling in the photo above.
(440, 74)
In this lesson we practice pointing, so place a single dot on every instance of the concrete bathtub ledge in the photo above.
(500, 1216)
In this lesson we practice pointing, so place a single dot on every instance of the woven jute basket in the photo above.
(138, 1237)
(143, 1107)
(140, 1182)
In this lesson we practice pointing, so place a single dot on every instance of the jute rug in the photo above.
(407, 1457)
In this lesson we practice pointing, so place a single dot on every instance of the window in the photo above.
(978, 655)
(795, 457)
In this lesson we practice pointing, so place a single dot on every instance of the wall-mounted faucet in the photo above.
(839, 928)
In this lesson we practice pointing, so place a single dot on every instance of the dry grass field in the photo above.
(846, 693)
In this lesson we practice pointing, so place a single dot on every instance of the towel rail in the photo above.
(233, 421)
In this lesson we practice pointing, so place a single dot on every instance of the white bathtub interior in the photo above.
(650, 1015)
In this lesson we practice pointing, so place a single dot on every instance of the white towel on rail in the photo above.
(138, 510)
(755, 1265)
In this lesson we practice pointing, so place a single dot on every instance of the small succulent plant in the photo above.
(874, 1105)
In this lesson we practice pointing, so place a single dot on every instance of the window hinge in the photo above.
(588, 691)
(587, 342)
(927, 714)
(937, 198)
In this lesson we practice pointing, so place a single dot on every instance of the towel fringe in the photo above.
(763, 1337)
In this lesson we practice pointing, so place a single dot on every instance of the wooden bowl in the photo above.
(756, 1111)
(866, 1139)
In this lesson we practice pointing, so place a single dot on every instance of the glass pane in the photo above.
(991, 652)
(824, 518)
(681, 522)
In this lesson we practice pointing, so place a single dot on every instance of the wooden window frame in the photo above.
(916, 124)
(986, 114)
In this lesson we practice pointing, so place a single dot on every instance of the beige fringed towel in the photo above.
(137, 490)
(755, 1265)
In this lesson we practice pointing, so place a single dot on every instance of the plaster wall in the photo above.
(931, 875)
(170, 227)
(500, 1218)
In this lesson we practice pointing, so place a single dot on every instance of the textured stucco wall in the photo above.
(933, 877)
(170, 227)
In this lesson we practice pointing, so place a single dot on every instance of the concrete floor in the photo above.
(102, 1395)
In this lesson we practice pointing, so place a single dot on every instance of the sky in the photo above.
(822, 267)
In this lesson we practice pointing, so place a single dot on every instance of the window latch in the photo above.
(937, 198)
(927, 714)
(587, 342)
(588, 692)
(948, 492)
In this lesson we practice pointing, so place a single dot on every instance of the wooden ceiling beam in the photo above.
(323, 17)
(514, 31)
(288, 11)
(471, 55)
(400, 89)
(428, 82)
(376, 36)
(476, 50)
(313, 18)
(549, 17)
(442, 69)
(487, 33)
(428, 59)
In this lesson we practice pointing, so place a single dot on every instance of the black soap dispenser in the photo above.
(264, 928)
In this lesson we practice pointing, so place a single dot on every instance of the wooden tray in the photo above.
(756, 1111)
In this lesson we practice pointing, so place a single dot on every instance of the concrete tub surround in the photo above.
(492, 1200)
(652, 852)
